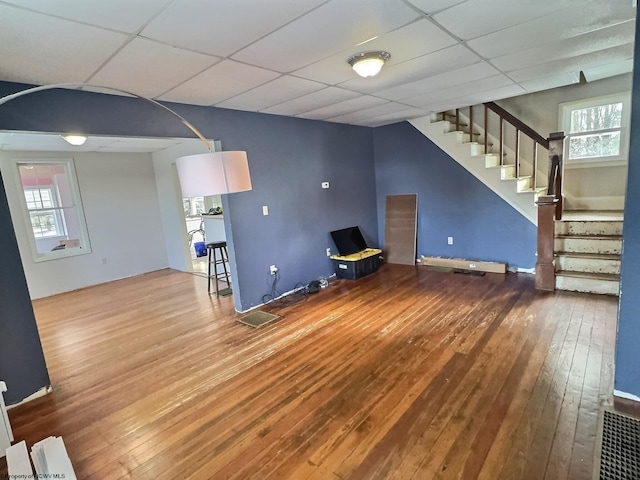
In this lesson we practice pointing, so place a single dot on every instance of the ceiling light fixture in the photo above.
(75, 139)
(368, 64)
(200, 175)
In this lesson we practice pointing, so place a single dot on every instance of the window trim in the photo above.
(564, 123)
(83, 234)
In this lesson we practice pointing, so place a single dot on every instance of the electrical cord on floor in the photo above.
(300, 291)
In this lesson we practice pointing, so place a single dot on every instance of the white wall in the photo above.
(170, 201)
(585, 188)
(123, 219)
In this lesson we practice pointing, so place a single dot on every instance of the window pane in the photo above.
(53, 208)
(44, 224)
(596, 145)
(600, 117)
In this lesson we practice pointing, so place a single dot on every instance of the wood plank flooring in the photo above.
(405, 374)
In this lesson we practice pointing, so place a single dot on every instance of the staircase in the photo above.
(587, 251)
(473, 148)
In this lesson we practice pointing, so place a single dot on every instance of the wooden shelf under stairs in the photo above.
(587, 252)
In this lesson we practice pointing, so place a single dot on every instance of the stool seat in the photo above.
(214, 248)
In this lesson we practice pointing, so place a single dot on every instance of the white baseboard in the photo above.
(628, 396)
(40, 393)
(523, 270)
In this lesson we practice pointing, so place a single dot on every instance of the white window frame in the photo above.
(565, 126)
(84, 246)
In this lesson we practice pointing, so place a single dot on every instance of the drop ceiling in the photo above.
(289, 57)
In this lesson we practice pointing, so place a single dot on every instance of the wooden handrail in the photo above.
(519, 124)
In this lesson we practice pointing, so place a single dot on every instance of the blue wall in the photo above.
(451, 202)
(22, 364)
(627, 371)
(289, 158)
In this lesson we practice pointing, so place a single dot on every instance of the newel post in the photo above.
(545, 268)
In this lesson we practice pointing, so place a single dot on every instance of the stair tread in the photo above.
(598, 256)
(613, 277)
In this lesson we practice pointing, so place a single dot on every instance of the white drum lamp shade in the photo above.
(213, 173)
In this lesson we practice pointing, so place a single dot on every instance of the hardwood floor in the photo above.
(405, 374)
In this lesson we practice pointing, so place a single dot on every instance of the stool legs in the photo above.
(215, 261)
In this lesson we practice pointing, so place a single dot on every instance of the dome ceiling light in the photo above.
(368, 64)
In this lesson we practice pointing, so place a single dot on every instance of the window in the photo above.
(596, 130)
(53, 210)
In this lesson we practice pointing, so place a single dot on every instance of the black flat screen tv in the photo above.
(349, 240)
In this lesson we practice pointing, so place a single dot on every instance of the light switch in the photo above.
(325, 184)
(265, 210)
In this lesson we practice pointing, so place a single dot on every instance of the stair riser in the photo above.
(588, 228)
(588, 265)
(524, 184)
(588, 285)
(491, 161)
(588, 245)
(508, 172)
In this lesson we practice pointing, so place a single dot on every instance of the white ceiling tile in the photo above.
(325, 31)
(108, 14)
(411, 41)
(313, 101)
(221, 27)
(345, 107)
(459, 90)
(414, 40)
(474, 99)
(450, 58)
(220, 82)
(150, 68)
(587, 43)
(506, 91)
(551, 81)
(369, 113)
(438, 82)
(69, 52)
(609, 70)
(396, 117)
(487, 17)
(273, 93)
(432, 6)
(592, 16)
(574, 64)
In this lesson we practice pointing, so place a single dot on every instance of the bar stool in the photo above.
(214, 261)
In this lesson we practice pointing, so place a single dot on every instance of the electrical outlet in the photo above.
(450, 240)
(273, 269)
(328, 252)
(325, 184)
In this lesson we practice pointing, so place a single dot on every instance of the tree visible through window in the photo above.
(596, 129)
